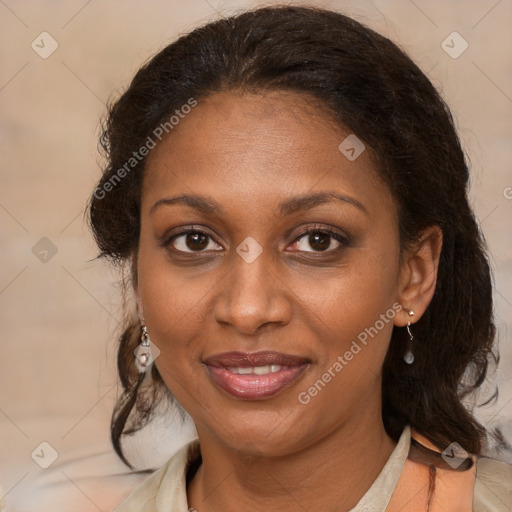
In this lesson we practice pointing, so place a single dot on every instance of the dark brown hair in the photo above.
(372, 87)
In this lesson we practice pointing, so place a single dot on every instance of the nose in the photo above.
(252, 297)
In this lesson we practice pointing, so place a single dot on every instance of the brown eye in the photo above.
(193, 241)
(319, 241)
(196, 241)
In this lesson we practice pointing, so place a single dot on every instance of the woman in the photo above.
(289, 194)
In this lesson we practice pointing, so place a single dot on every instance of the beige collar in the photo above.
(173, 490)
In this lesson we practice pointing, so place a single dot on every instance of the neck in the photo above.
(333, 473)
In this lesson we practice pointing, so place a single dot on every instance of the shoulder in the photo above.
(493, 486)
(490, 480)
(143, 497)
(166, 486)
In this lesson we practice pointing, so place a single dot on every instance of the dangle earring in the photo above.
(143, 356)
(409, 356)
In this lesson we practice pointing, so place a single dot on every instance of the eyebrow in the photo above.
(300, 203)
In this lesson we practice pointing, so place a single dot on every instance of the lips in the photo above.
(257, 375)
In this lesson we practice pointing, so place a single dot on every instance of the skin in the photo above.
(249, 153)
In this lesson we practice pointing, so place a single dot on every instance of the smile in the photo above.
(255, 376)
(258, 370)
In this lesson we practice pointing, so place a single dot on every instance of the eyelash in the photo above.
(315, 229)
(324, 231)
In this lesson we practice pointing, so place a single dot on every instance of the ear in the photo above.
(418, 275)
(136, 289)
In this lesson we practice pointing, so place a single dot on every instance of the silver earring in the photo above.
(409, 356)
(143, 356)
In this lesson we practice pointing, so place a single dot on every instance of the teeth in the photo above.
(258, 370)
(261, 370)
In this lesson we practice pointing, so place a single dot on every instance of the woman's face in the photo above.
(268, 271)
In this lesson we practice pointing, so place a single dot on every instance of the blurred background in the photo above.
(60, 308)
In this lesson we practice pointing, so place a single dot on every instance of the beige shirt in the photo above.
(165, 490)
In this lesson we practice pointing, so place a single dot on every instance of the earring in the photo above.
(409, 356)
(143, 356)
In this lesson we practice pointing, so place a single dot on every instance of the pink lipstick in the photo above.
(257, 375)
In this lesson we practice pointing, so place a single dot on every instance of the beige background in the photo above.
(58, 318)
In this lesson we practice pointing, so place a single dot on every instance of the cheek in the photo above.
(351, 312)
(353, 295)
(175, 314)
(174, 308)
(352, 340)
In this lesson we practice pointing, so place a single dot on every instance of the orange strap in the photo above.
(453, 489)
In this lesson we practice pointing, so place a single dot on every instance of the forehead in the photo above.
(259, 148)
